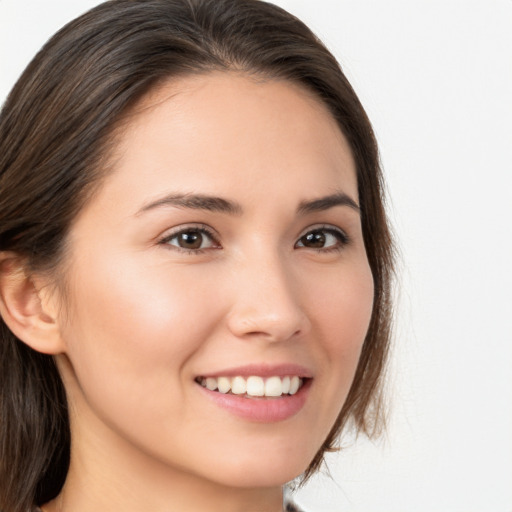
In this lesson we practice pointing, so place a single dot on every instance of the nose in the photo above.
(266, 302)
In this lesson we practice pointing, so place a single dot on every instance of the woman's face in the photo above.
(225, 243)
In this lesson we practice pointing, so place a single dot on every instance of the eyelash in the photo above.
(342, 238)
(202, 229)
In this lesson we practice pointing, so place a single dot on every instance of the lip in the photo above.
(260, 409)
(263, 370)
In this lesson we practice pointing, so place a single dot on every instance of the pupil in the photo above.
(315, 239)
(191, 240)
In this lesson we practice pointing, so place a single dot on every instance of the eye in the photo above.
(326, 238)
(193, 239)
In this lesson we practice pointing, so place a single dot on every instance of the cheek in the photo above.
(342, 316)
(132, 328)
(343, 309)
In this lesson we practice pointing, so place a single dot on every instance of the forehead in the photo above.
(225, 130)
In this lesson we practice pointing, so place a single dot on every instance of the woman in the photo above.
(195, 261)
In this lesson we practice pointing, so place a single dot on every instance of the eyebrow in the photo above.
(219, 204)
(195, 202)
(324, 203)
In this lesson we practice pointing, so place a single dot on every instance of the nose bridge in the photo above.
(266, 302)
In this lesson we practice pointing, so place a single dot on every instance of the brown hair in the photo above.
(55, 130)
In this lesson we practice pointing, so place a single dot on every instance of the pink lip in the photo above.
(263, 370)
(261, 409)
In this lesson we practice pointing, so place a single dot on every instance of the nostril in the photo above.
(270, 330)
(268, 312)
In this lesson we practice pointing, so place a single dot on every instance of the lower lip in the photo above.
(261, 409)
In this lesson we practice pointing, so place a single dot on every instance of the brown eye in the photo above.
(315, 239)
(324, 238)
(191, 240)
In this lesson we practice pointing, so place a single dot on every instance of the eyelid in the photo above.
(341, 234)
(201, 228)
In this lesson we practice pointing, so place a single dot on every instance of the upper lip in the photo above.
(263, 370)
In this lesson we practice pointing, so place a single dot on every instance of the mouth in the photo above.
(254, 386)
(259, 393)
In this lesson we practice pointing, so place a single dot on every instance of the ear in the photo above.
(27, 306)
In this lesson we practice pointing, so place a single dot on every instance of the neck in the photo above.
(110, 475)
(78, 496)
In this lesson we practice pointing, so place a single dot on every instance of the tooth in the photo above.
(224, 384)
(286, 385)
(211, 383)
(294, 385)
(239, 386)
(273, 387)
(255, 386)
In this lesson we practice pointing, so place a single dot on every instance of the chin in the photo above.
(262, 470)
(263, 478)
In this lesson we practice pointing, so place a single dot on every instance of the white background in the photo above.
(436, 79)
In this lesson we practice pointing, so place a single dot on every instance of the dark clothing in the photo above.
(291, 507)
(287, 507)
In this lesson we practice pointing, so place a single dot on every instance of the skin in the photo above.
(142, 318)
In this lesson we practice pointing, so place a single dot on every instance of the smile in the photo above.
(253, 386)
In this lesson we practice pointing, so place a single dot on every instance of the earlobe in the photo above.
(25, 307)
